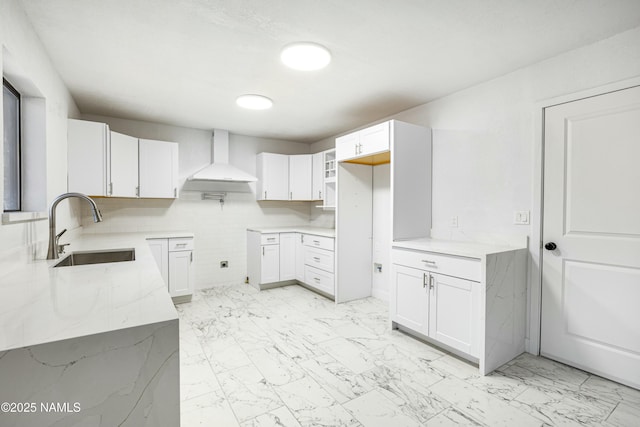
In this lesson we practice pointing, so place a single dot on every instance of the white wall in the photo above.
(484, 137)
(220, 231)
(22, 240)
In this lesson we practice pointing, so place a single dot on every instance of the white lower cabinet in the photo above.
(409, 298)
(472, 306)
(454, 313)
(287, 256)
(299, 257)
(280, 258)
(435, 305)
(174, 257)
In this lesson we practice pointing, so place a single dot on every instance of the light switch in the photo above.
(521, 217)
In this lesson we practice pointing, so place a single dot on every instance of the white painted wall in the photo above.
(24, 240)
(484, 138)
(220, 231)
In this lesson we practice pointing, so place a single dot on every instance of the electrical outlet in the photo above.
(224, 264)
(521, 217)
(453, 223)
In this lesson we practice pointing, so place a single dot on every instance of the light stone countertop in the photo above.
(40, 304)
(316, 231)
(451, 247)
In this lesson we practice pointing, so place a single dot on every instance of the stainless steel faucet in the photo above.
(54, 248)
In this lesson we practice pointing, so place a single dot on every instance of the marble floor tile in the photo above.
(276, 367)
(211, 409)
(352, 356)
(375, 410)
(248, 392)
(481, 405)
(290, 357)
(196, 377)
(280, 417)
(339, 381)
(314, 406)
(224, 354)
(624, 415)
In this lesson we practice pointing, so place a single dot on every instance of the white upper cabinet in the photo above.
(273, 176)
(347, 146)
(111, 164)
(88, 157)
(158, 169)
(365, 142)
(300, 171)
(317, 176)
(124, 166)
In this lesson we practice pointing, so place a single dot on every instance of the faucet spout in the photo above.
(52, 253)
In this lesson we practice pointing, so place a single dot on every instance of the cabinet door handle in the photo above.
(175, 191)
(191, 257)
(111, 188)
(265, 194)
(290, 195)
(430, 281)
(317, 242)
(319, 194)
(302, 238)
(263, 251)
(137, 191)
(317, 279)
(315, 258)
(426, 261)
(424, 280)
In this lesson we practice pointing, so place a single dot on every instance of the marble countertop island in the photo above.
(41, 304)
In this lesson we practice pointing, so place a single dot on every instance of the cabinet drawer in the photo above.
(318, 241)
(319, 258)
(181, 244)
(467, 268)
(319, 279)
(270, 239)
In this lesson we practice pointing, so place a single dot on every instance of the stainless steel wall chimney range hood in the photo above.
(220, 169)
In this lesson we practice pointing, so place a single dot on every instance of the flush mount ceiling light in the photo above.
(305, 56)
(254, 102)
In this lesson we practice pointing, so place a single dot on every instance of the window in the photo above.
(12, 149)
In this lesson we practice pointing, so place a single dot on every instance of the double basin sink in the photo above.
(97, 257)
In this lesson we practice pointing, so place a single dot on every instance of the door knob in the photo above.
(550, 246)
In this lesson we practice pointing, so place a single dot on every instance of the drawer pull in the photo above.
(316, 279)
(181, 244)
(271, 238)
(315, 258)
(317, 242)
(426, 261)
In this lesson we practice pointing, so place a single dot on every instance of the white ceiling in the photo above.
(183, 62)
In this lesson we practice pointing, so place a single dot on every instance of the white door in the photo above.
(124, 166)
(180, 273)
(270, 265)
(410, 298)
(591, 280)
(300, 177)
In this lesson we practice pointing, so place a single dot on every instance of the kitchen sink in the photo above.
(97, 257)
